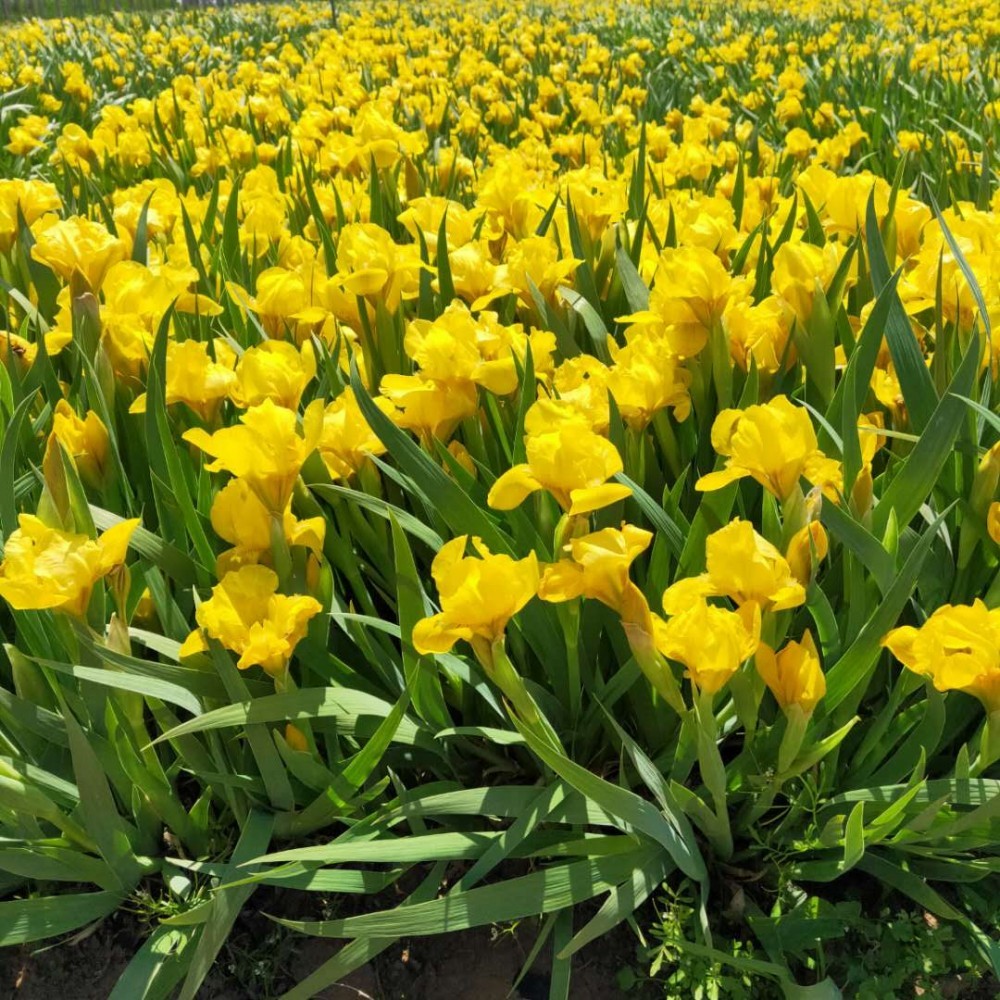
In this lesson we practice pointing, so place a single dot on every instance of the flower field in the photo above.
(473, 464)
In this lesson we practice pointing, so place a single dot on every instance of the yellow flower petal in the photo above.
(720, 478)
(592, 498)
(512, 488)
(436, 635)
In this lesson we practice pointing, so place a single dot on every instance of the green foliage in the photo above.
(885, 951)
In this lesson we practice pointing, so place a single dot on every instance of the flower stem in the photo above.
(713, 773)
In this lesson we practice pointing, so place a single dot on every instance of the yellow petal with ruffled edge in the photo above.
(993, 522)
(198, 305)
(366, 282)
(790, 596)
(512, 488)
(562, 581)
(590, 498)
(678, 597)
(265, 647)
(722, 477)
(114, 543)
(308, 533)
(899, 642)
(435, 635)
(192, 645)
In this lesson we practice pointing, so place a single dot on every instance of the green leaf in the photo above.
(389, 511)
(230, 242)
(156, 968)
(502, 801)
(636, 292)
(425, 847)
(364, 949)
(909, 884)
(8, 466)
(227, 903)
(656, 515)
(739, 191)
(853, 667)
(199, 682)
(325, 236)
(990, 417)
(307, 878)
(343, 704)
(654, 780)
(852, 390)
(621, 903)
(40, 721)
(584, 275)
(458, 509)
(42, 277)
(854, 837)
(26, 920)
(421, 671)
(177, 565)
(272, 768)
(140, 245)
(194, 253)
(540, 892)
(56, 864)
(562, 966)
(151, 687)
(890, 817)
(98, 809)
(724, 958)
(967, 792)
(592, 321)
(919, 474)
(631, 813)
(914, 379)
(967, 272)
(637, 182)
(363, 763)
(857, 539)
(526, 399)
(445, 283)
(165, 459)
(540, 809)
(502, 737)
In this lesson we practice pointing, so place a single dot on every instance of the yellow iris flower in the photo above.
(248, 616)
(47, 568)
(266, 449)
(958, 648)
(774, 443)
(742, 566)
(794, 674)
(478, 594)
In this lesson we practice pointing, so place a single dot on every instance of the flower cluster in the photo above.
(508, 365)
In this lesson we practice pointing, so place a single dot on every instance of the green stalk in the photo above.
(280, 550)
(713, 772)
(989, 747)
(667, 440)
(503, 673)
(569, 618)
(992, 598)
(722, 365)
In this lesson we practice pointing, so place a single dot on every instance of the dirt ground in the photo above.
(468, 966)
(260, 962)
(481, 964)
